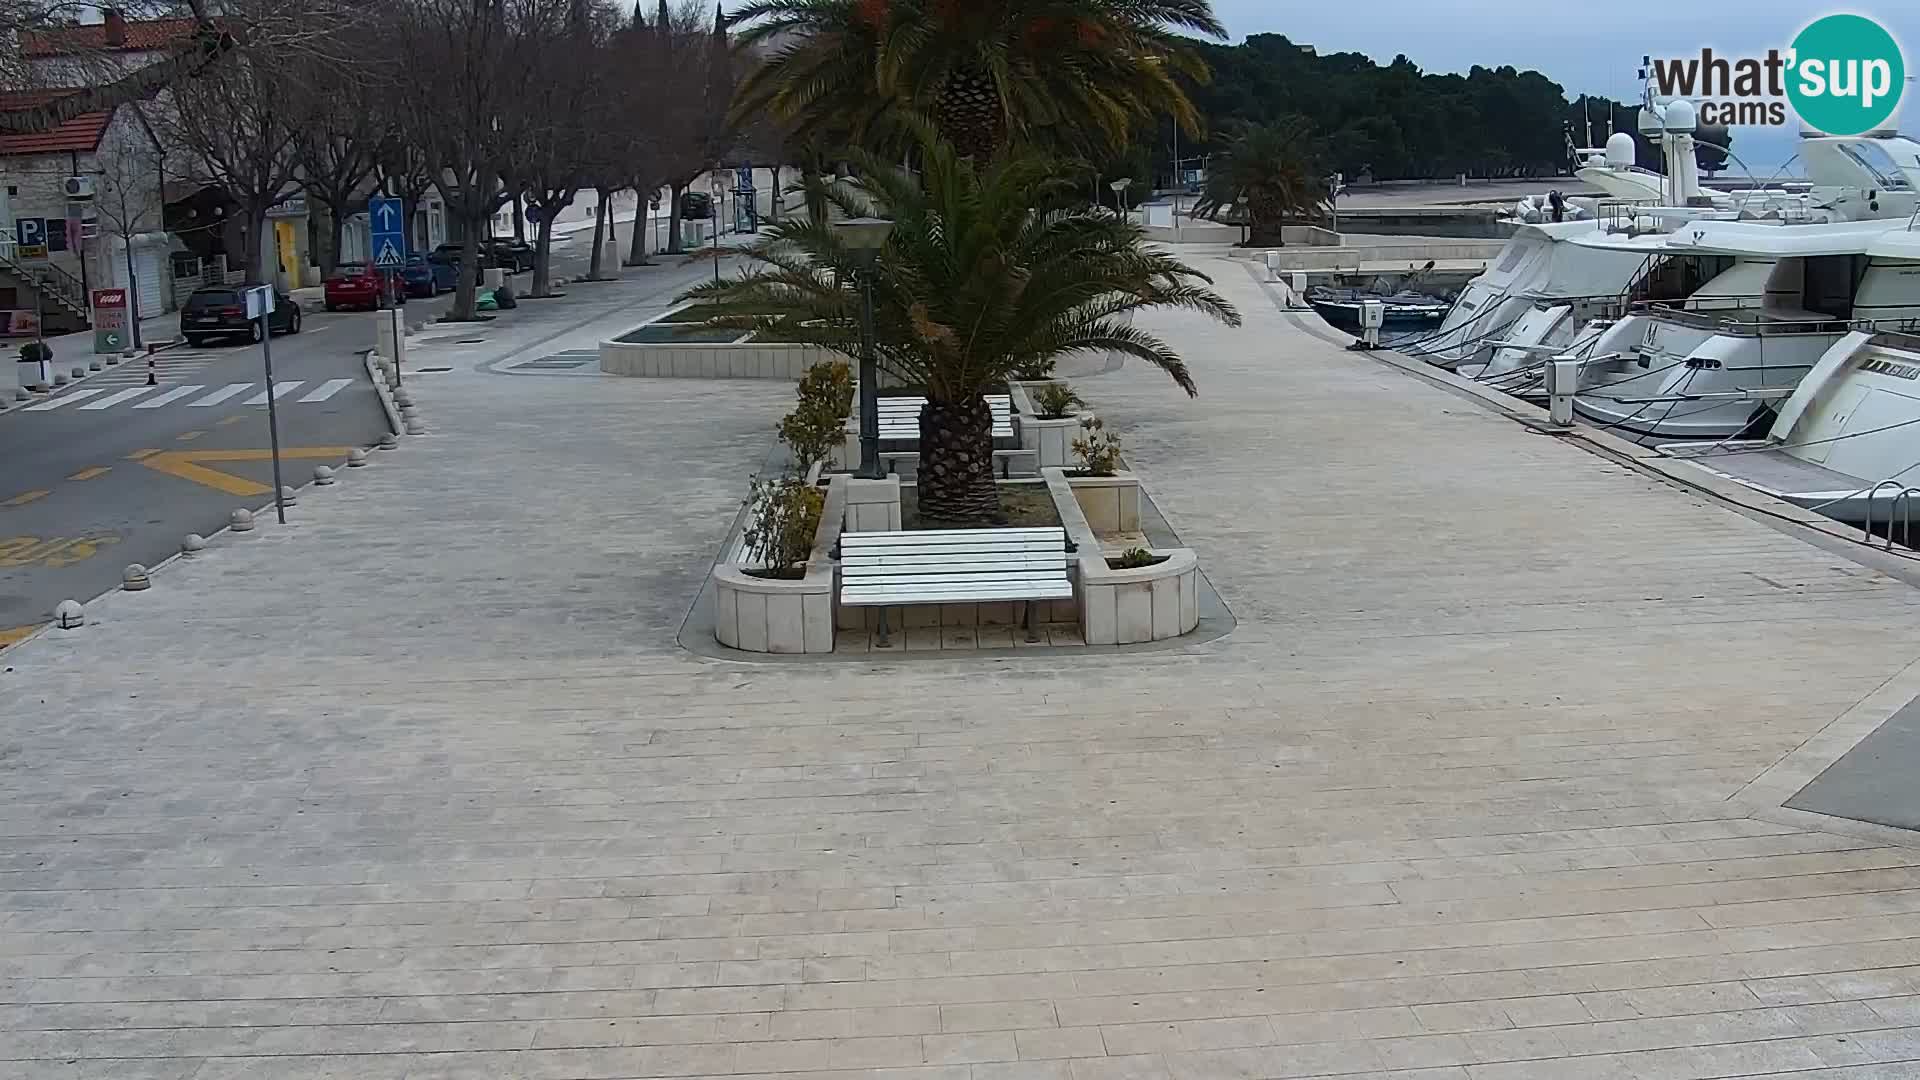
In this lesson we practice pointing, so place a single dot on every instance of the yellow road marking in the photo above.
(186, 464)
(26, 497)
(231, 420)
(141, 455)
(189, 436)
(88, 474)
(55, 553)
(16, 635)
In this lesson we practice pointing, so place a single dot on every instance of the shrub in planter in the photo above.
(830, 382)
(1097, 448)
(816, 424)
(36, 352)
(1033, 369)
(782, 517)
(1056, 401)
(1134, 559)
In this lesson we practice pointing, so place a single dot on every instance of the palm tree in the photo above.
(1071, 74)
(1275, 171)
(989, 269)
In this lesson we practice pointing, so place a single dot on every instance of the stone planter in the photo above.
(740, 360)
(1110, 503)
(1052, 439)
(767, 615)
(1125, 607)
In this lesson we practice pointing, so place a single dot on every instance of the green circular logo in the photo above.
(1847, 75)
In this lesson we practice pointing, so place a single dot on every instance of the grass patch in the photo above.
(1022, 506)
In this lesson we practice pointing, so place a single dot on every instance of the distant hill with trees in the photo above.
(1396, 121)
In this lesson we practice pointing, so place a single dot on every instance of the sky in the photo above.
(1585, 48)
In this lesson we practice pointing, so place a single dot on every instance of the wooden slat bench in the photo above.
(1004, 459)
(955, 566)
(900, 417)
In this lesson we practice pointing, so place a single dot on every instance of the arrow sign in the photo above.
(387, 227)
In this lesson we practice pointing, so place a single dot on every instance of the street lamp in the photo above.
(864, 237)
(1119, 186)
(713, 215)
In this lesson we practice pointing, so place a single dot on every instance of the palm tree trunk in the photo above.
(970, 114)
(956, 463)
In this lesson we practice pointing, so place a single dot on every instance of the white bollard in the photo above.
(70, 615)
(240, 521)
(289, 497)
(356, 458)
(134, 578)
(322, 475)
(193, 545)
(388, 442)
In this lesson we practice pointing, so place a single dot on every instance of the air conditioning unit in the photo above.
(79, 187)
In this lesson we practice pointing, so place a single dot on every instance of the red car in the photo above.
(357, 285)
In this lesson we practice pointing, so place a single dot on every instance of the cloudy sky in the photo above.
(1584, 48)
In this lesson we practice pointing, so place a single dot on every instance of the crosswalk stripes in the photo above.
(221, 395)
(326, 390)
(170, 396)
(89, 398)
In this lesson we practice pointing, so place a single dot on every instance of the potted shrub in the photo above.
(32, 366)
(1054, 401)
(783, 515)
(1135, 558)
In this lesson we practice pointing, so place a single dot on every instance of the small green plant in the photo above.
(1134, 559)
(36, 352)
(817, 423)
(830, 382)
(1097, 448)
(1056, 401)
(1033, 369)
(782, 516)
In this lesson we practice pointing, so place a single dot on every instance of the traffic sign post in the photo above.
(388, 220)
(109, 320)
(260, 306)
(30, 237)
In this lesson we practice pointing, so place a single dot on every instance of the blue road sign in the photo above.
(30, 233)
(389, 231)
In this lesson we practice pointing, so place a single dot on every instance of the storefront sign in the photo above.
(109, 320)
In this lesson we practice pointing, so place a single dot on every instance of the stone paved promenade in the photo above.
(1485, 785)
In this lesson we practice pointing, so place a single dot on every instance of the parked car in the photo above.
(220, 311)
(356, 285)
(452, 255)
(512, 255)
(696, 206)
(425, 276)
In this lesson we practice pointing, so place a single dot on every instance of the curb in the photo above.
(379, 380)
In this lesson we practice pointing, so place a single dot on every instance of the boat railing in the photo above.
(1901, 508)
(1719, 324)
(1902, 334)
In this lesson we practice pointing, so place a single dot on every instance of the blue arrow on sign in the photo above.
(388, 239)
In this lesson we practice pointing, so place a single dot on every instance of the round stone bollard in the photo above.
(70, 615)
(193, 545)
(289, 497)
(388, 442)
(240, 521)
(79, 372)
(60, 378)
(356, 458)
(134, 578)
(403, 397)
(95, 366)
(322, 475)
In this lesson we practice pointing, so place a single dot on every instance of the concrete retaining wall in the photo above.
(749, 360)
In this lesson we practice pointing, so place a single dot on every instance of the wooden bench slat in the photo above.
(867, 537)
(892, 597)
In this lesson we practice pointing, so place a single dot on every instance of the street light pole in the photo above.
(864, 237)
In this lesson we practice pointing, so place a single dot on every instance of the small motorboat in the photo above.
(1405, 310)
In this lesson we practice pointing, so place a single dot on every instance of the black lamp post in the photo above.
(865, 237)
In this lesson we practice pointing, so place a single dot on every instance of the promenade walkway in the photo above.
(1485, 785)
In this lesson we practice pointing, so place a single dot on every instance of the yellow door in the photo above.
(289, 254)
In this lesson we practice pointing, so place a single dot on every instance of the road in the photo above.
(111, 472)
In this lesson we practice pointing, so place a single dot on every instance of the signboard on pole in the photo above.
(388, 233)
(259, 301)
(109, 320)
(30, 237)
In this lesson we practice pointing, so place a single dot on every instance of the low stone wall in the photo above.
(767, 615)
(1125, 607)
(1111, 503)
(743, 360)
(1052, 440)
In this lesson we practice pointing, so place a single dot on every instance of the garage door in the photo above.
(149, 266)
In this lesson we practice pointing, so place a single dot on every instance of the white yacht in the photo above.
(1554, 280)
(1846, 443)
(1717, 367)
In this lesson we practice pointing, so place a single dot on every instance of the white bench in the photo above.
(900, 417)
(1002, 458)
(955, 566)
